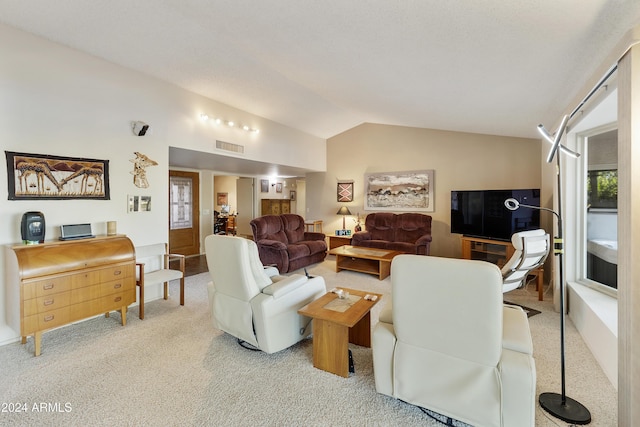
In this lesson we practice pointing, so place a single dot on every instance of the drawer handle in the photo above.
(117, 299)
(117, 272)
(48, 302)
(49, 318)
(48, 286)
(117, 286)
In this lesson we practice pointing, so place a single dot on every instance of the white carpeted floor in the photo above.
(174, 369)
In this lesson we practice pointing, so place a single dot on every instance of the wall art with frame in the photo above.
(222, 199)
(41, 176)
(345, 191)
(411, 191)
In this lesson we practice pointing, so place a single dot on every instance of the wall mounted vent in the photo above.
(227, 146)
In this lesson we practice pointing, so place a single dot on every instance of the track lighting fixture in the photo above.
(230, 123)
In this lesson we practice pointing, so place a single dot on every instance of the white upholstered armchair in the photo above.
(254, 303)
(449, 344)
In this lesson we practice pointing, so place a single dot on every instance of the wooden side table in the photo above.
(337, 241)
(334, 330)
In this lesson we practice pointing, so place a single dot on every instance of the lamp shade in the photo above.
(344, 211)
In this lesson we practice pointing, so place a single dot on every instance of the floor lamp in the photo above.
(558, 405)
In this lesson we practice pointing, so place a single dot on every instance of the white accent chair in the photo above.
(253, 303)
(531, 250)
(449, 344)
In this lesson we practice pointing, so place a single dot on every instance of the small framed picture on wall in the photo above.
(345, 191)
(264, 185)
(292, 195)
(279, 187)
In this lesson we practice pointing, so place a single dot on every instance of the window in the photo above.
(601, 187)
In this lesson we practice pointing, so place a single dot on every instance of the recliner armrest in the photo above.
(311, 235)
(272, 244)
(427, 238)
(361, 236)
(516, 335)
(271, 271)
(286, 285)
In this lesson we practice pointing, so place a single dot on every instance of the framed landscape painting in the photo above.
(411, 191)
(41, 176)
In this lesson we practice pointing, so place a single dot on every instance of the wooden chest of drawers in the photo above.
(53, 284)
(275, 206)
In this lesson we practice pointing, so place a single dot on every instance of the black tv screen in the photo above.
(482, 213)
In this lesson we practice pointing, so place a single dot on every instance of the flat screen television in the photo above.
(482, 213)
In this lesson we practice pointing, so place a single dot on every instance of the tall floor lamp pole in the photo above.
(559, 405)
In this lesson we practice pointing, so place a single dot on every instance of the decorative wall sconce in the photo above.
(218, 121)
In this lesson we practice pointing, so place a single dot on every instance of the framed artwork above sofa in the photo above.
(411, 191)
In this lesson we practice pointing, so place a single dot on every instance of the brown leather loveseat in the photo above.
(408, 232)
(282, 241)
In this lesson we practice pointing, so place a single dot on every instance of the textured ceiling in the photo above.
(324, 66)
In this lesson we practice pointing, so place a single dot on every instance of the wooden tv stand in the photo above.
(57, 283)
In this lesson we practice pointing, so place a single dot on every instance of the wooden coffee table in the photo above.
(334, 330)
(365, 260)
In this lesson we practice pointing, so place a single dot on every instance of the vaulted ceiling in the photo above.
(324, 66)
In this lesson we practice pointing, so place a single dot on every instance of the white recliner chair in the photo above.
(449, 344)
(531, 250)
(254, 303)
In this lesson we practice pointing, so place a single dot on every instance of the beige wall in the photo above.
(461, 161)
(62, 102)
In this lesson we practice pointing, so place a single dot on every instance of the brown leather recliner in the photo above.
(282, 241)
(408, 232)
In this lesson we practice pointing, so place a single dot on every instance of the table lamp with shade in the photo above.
(344, 211)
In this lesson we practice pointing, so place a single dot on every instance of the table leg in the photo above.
(384, 268)
(37, 339)
(540, 279)
(331, 347)
(360, 333)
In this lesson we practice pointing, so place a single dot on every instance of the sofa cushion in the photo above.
(298, 250)
(381, 226)
(293, 227)
(269, 227)
(411, 226)
(315, 246)
(407, 248)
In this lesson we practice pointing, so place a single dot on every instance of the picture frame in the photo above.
(46, 177)
(264, 185)
(138, 204)
(292, 195)
(278, 187)
(222, 199)
(410, 191)
(345, 191)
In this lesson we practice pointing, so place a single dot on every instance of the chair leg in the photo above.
(182, 290)
(141, 305)
(166, 290)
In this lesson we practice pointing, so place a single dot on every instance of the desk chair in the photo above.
(231, 226)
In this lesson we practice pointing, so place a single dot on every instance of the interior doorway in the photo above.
(184, 212)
